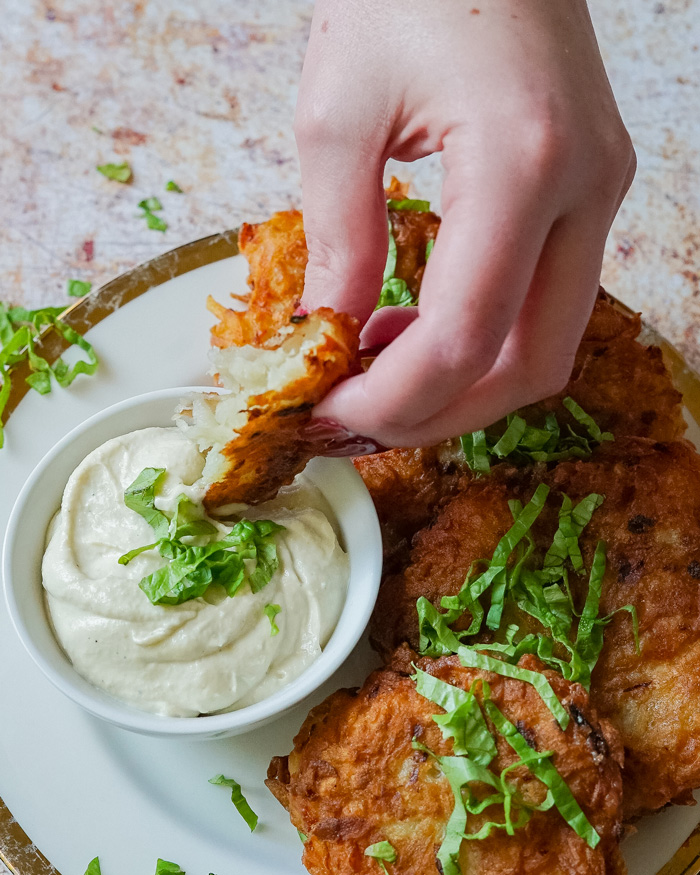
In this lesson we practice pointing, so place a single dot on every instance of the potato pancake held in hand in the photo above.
(253, 435)
(617, 540)
(455, 770)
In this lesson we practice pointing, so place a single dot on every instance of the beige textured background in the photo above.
(203, 92)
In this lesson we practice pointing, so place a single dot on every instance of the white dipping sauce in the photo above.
(206, 655)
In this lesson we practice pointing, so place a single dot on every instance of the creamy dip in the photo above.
(206, 655)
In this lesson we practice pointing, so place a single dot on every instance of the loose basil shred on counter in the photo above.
(94, 867)
(247, 554)
(20, 330)
(117, 172)
(150, 206)
(238, 799)
(165, 867)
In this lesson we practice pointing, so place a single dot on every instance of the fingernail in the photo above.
(328, 438)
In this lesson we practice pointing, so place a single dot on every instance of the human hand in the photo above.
(537, 160)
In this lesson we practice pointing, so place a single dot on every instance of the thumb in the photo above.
(346, 229)
(345, 218)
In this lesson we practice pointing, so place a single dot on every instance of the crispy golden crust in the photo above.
(277, 255)
(353, 779)
(269, 451)
(624, 385)
(650, 520)
(407, 486)
(412, 230)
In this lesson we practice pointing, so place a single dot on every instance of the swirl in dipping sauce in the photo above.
(209, 654)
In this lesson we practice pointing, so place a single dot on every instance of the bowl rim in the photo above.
(107, 707)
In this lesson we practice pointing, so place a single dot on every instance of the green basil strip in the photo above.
(476, 451)
(117, 172)
(271, 612)
(187, 520)
(586, 421)
(150, 204)
(564, 800)
(140, 497)
(5, 389)
(6, 329)
(78, 288)
(408, 204)
(164, 867)
(429, 248)
(572, 522)
(459, 771)
(395, 293)
(463, 723)
(436, 638)
(472, 659)
(511, 437)
(382, 851)
(171, 185)
(94, 867)
(390, 266)
(238, 799)
(64, 374)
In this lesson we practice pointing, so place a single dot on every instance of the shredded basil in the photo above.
(247, 554)
(429, 248)
(471, 658)
(149, 206)
(524, 444)
(238, 799)
(543, 769)
(408, 204)
(20, 329)
(395, 291)
(171, 185)
(117, 172)
(271, 612)
(382, 851)
(94, 867)
(542, 593)
(464, 722)
(304, 838)
(78, 288)
(164, 867)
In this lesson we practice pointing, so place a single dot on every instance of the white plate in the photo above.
(81, 788)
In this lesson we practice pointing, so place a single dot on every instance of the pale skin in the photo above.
(537, 160)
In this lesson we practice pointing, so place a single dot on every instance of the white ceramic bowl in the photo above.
(23, 549)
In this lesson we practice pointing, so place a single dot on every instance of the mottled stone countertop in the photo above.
(203, 93)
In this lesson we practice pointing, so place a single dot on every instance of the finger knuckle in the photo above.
(463, 355)
(548, 144)
(543, 379)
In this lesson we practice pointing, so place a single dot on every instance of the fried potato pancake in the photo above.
(277, 255)
(624, 385)
(253, 436)
(407, 486)
(353, 779)
(650, 521)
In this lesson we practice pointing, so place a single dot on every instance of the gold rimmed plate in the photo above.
(79, 788)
